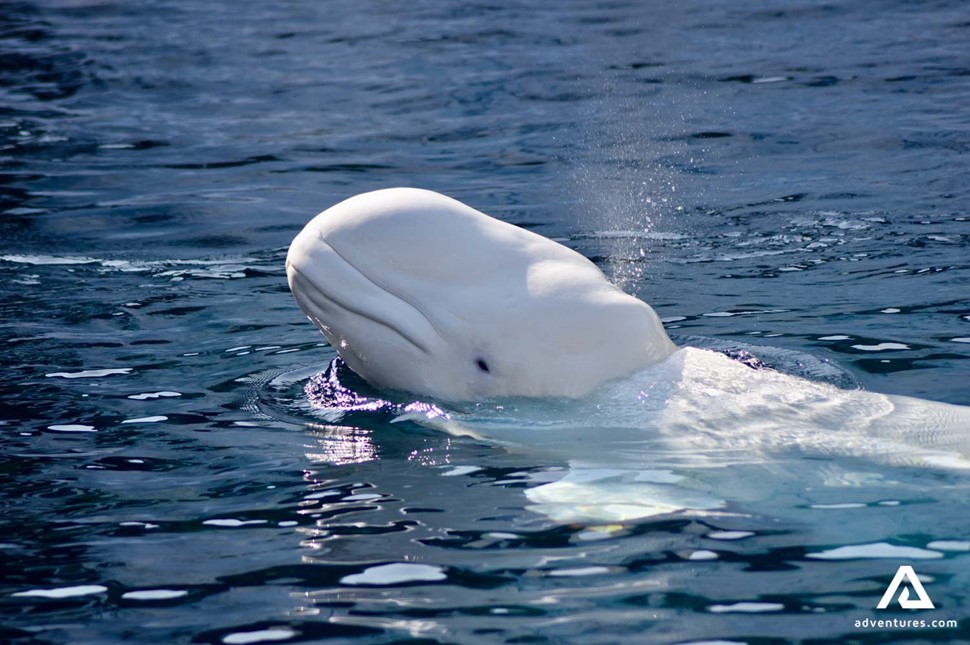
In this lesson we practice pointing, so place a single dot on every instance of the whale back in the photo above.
(419, 292)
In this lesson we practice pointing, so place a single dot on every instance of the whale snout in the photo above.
(320, 279)
(373, 329)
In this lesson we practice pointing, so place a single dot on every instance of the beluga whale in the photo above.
(421, 294)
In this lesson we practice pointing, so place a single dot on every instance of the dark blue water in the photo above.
(790, 175)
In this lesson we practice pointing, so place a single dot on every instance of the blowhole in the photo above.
(482, 365)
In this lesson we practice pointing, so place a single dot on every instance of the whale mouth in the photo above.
(350, 295)
(323, 306)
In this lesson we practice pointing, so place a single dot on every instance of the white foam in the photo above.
(233, 523)
(458, 471)
(71, 427)
(949, 545)
(46, 259)
(322, 494)
(875, 550)
(154, 594)
(90, 373)
(154, 395)
(62, 592)
(702, 554)
(746, 608)
(729, 535)
(361, 497)
(579, 571)
(881, 347)
(260, 636)
(390, 574)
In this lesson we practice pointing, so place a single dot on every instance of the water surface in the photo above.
(790, 176)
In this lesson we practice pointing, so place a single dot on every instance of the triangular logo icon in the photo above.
(906, 573)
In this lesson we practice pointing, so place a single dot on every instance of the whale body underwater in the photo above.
(422, 294)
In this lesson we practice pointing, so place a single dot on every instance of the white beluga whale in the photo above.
(532, 347)
(419, 292)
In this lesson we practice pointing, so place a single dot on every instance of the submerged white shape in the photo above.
(419, 292)
(396, 573)
(875, 550)
(153, 419)
(711, 429)
(154, 594)
(658, 476)
(90, 373)
(260, 636)
(62, 592)
(951, 461)
(613, 495)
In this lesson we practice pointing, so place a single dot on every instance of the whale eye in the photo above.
(482, 365)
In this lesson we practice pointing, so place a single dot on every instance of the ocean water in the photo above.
(785, 182)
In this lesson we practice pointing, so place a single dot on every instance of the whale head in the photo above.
(419, 292)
